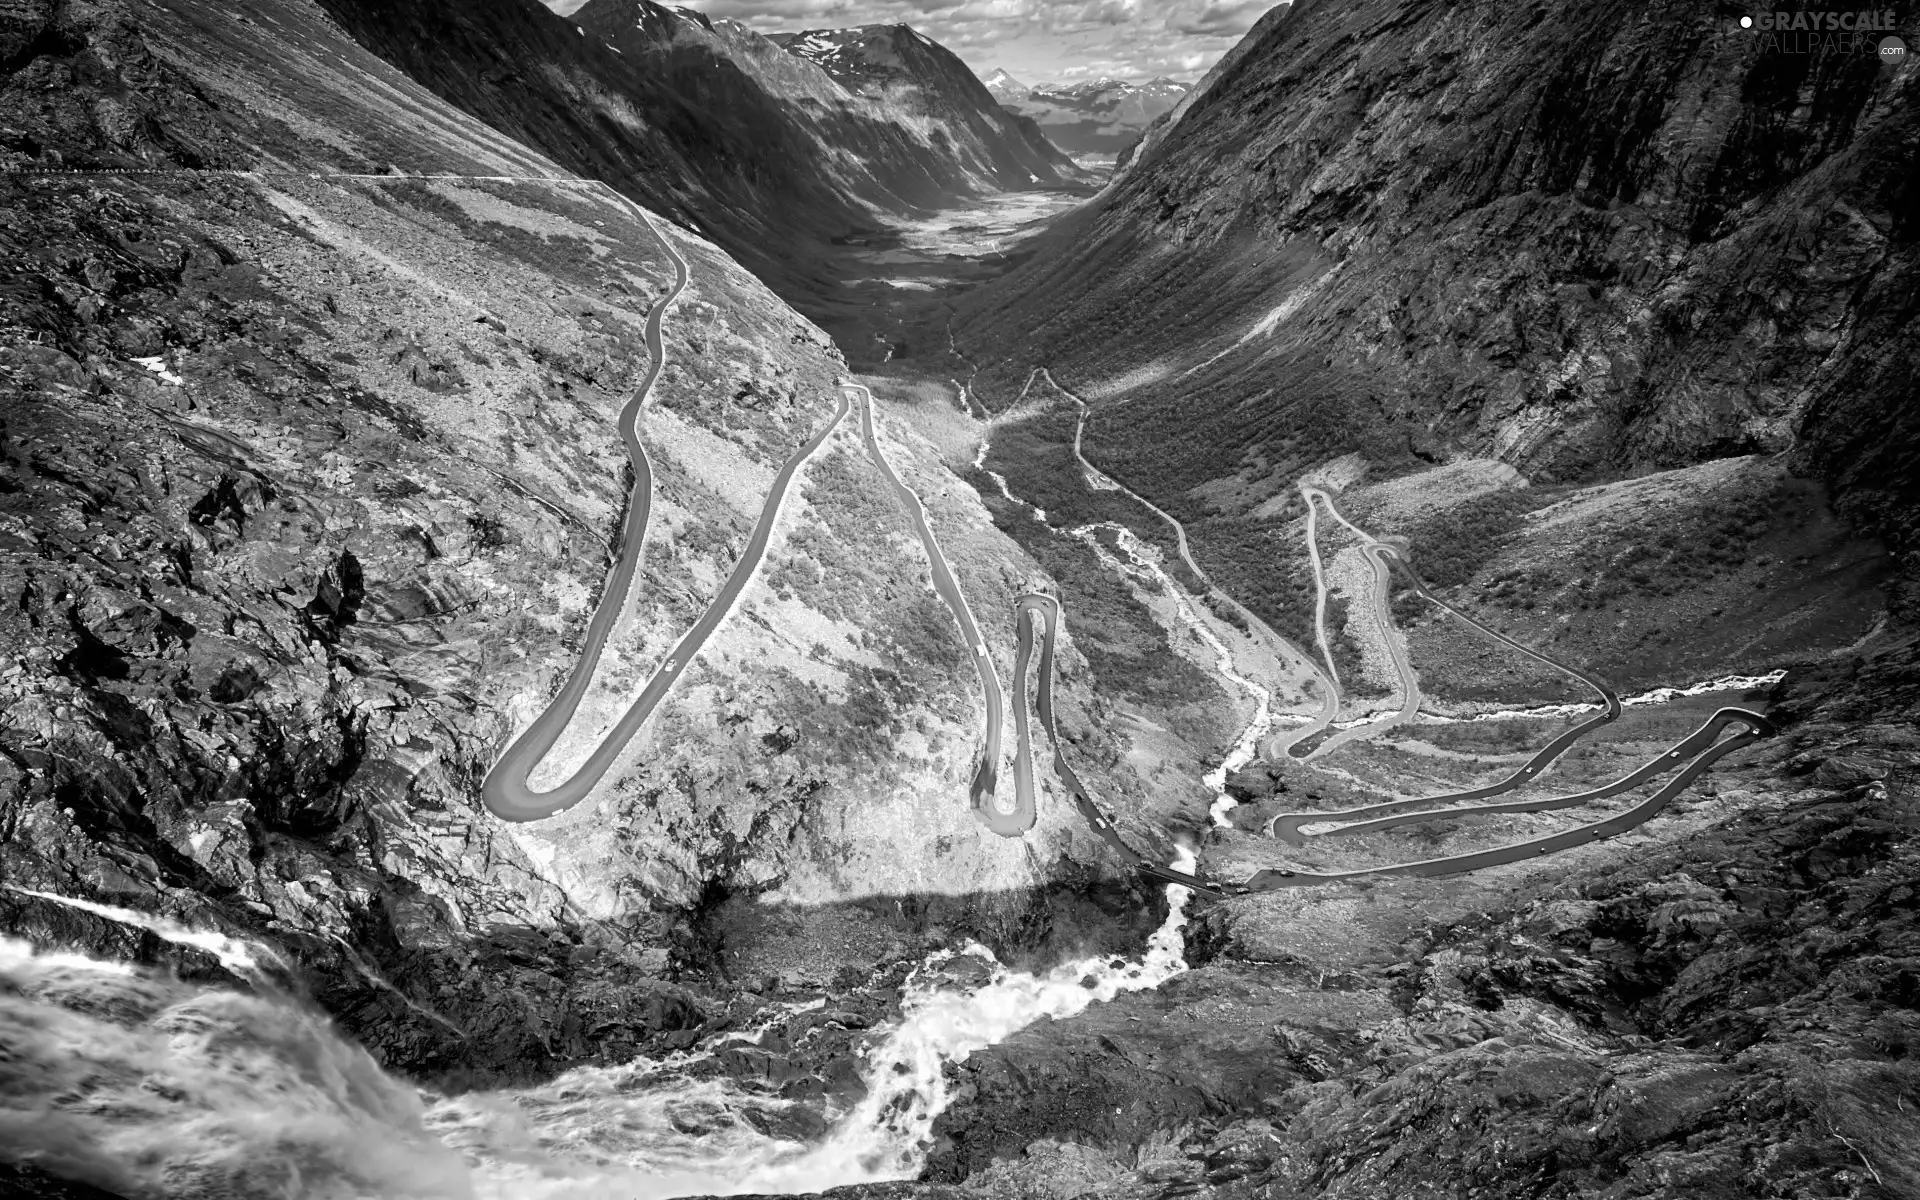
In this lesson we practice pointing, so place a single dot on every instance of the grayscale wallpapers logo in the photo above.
(1867, 32)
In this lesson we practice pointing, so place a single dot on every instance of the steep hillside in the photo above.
(704, 121)
(881, 150)
(902, 69)
(1102, 116)
(1226, 65)
(1589, 245)
(746, 175)
(309, 476)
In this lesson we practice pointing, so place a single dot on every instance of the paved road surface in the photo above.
(1287, 826)
(1319, 589)
(1693, 744)
(1700, 746)
(1376, 552)
(980, 794)
(506, 792)
(1280, 744)
(1039, 608)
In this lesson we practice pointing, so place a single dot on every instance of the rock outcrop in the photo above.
(1726, 1012)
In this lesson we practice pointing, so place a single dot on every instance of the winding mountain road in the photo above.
(506, 791)
(1319, 591)
(1040, 608)
(1700, 750)
(1287, 826)
(1281, 744)
(980, 794)
(1701, 746)
(1375, 552)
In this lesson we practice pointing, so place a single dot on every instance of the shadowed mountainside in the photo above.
(903, 71)
(1589, 242)
(703, 121)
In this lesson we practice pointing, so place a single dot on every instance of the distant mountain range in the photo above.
(1097, 116)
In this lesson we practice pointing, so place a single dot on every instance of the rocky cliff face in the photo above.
(902, 70)
(306, 491)
(1728, 1010)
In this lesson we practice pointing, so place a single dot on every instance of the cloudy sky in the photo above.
(1037, 40)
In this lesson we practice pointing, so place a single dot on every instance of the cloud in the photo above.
(1037, 40)
(1229, 18)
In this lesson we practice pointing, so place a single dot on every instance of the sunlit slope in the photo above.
(310, 483)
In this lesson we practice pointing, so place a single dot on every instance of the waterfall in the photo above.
(141, 1083)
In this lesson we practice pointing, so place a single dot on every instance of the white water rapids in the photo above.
(1144, 562)
(141, 1083)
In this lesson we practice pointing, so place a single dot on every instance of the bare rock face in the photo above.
(1726, 1012)
(21, 22)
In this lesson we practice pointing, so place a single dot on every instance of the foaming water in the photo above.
(644, 1130)
(140, 1083)
(244, 959)
(144, 1085)
(1146, 562)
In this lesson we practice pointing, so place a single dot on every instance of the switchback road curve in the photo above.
(506, 791)
(1044, 610)
(1756, 727)
(1382, 607)
(980, 793)
(1687, 748)
(1702, 748)
(1286, 826)
(1281, 744)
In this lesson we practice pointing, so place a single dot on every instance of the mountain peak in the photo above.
(1005, 88)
